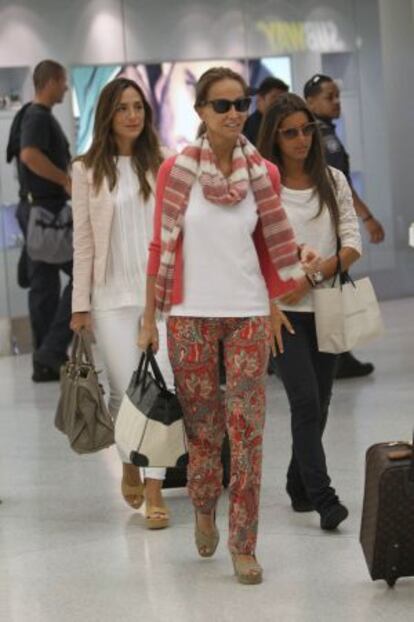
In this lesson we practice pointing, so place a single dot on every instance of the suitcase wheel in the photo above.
(391, 581)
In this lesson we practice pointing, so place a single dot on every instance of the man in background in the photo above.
(44, 161)
(323, 98)
(268, 91)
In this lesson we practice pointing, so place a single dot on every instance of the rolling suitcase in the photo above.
(387, 526)
(177, 478)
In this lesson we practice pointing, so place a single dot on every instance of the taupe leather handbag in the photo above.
(81, 413)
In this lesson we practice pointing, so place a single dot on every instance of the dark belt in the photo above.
(47, 202)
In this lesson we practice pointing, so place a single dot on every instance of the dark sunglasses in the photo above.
(293, 132)
(223, 105)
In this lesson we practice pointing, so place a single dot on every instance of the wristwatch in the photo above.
(317, 277)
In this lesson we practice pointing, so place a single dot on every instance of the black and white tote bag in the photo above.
(149, 428)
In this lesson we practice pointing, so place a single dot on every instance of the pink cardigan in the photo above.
(276, 287)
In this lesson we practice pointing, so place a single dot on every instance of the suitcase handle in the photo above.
(404, 454)
(411, 475)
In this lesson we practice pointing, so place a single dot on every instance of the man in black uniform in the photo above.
(323, 98)
(44, 161)
(269, 90)
(266, 94)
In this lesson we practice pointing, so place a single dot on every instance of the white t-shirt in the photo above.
(301, 207)
(131, 233)
(221, 270)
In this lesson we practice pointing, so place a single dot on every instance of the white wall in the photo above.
(376, 160)
(397, 37)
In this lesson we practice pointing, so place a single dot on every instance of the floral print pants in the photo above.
(208, 412)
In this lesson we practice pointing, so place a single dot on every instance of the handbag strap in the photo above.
(155, 369)
(75, 348)
(81, 349)
(411, 475)
(87, 347)
(148, 360)
(342, 275)
(140, 367)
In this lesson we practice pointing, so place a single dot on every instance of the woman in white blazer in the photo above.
(113, 203)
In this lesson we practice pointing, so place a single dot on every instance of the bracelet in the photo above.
(311, 283)
(366, 218)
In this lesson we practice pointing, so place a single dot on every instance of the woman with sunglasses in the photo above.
(220, 238)
(318, 202)
(113, 204)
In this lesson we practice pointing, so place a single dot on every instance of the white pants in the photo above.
(116, 332)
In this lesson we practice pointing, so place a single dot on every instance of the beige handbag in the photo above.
(346, 316)
(81, 412)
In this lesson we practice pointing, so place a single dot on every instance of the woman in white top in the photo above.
(113, 203)
(220, 240)
(318, 202)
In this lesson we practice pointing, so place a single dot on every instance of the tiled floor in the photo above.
(70, 550)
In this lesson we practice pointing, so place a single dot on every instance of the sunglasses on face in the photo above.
(293, 132)
(223, 105)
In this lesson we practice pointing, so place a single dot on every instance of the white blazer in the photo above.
(92, 223)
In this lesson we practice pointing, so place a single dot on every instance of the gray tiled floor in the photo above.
(70, 550)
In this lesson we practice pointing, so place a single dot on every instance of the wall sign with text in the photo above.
(296, 36)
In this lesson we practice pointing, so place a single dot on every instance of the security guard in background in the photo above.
(266, 94)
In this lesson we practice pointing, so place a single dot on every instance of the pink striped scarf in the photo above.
(198, 161)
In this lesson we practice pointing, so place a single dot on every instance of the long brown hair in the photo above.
(315, 163)
(101, 155)
(206, 81)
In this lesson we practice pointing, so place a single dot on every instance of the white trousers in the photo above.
(116, 332)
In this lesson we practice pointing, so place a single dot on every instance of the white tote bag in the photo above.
(149, 428)
(346, 316)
